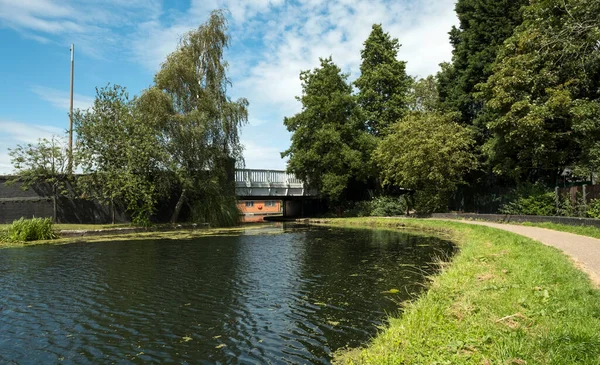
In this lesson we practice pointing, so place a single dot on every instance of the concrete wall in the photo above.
(37, 202)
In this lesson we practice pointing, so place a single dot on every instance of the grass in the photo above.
(581, 230)
(504, 299)
(30, 230)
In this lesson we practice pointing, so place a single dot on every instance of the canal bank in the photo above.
(503, 299)
(75, 233)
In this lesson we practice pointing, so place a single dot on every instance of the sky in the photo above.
(124, 42)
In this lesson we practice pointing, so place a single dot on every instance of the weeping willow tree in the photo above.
(200, 122)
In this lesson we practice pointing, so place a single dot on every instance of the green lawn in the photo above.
(581, 230)
(503, 299)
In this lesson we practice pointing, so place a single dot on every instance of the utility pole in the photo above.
(70, 163)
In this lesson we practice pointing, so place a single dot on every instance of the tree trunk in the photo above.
(54, 208)
(112, 208)
(178, 207)
(54, 204)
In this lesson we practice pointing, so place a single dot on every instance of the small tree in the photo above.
(44, 163)
(428, 153)
(120, 153)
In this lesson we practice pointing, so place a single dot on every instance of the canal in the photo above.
(277, 294)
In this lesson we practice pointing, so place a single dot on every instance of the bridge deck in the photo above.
(270, 183)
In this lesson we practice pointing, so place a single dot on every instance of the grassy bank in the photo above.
(184, 233)
(580, 230)
(504, 299)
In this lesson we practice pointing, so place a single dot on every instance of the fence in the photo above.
(583, 192)
(265, 176)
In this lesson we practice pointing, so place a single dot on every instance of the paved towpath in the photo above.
(585, 251)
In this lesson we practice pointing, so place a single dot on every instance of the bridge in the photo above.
(297, 198)
(261, 184)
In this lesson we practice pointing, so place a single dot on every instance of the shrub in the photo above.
(535, 204)
(386, 206)
(383, 206)
(35, 229)
(594, 208)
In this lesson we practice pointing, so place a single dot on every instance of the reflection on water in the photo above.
(270, 295)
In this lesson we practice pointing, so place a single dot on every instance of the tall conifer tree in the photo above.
(383, 84)
(484, 26)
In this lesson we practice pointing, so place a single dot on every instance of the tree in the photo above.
(383, 84)
(42, 164)
(423, 96)
(330, 147)
(428, 153)
(201, 123)
(120, 153)
(484, 25)
(544, 93)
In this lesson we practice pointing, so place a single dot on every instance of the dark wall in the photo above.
(37, 202)
(303, 208)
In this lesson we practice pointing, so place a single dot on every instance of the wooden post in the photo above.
(557, 198)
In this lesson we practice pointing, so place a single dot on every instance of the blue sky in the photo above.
(124, 41)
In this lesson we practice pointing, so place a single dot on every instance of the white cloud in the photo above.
(272, 41)
(61, 99)
(94, 26)
(259, 156)
(15, 133)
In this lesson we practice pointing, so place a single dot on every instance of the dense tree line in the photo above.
(518, 104)
(180, 135)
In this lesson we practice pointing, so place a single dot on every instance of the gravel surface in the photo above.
(585, 251)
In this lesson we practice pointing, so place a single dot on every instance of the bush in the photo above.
(383, 206)
(386, 206)
(543, 204)
(531, 199)
(594, 208)
(25, 230)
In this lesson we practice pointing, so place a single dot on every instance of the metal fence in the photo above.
(265, 176)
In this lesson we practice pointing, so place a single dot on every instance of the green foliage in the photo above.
(543, 94)
(594, 208)
(44, 163)
(120, 153)
(388, 206)
(383, 84)
(484, 25)
(221, 211)
(36, 229)
(200, 122)
(428, 153)
(424, 96)
(330, 148)
(570, 207)
(543, 204)
(382, 206)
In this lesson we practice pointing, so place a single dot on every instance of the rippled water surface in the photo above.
(271, 295)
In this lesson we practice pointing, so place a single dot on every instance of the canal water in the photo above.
(272, 295)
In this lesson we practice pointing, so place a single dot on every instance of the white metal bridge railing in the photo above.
(265, 176)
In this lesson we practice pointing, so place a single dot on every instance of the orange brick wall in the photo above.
(259, 207)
